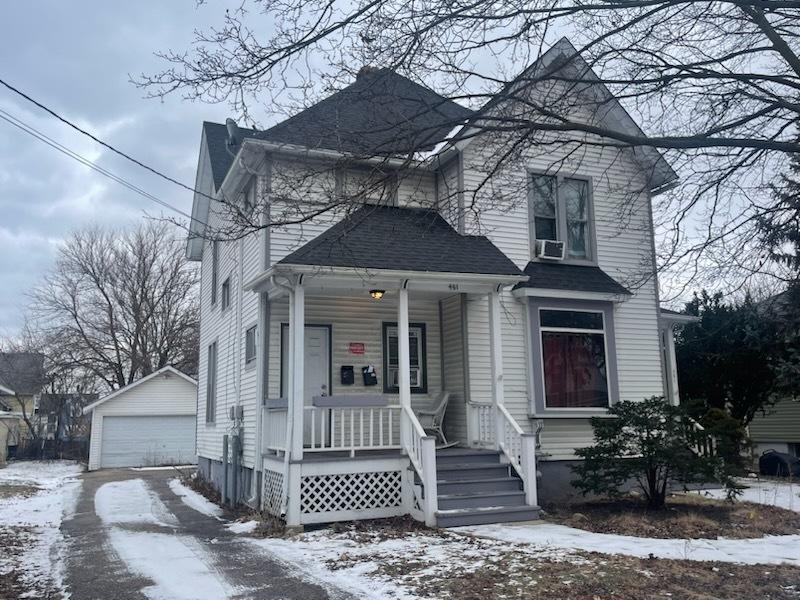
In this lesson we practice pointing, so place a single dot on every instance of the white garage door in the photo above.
(148, 441)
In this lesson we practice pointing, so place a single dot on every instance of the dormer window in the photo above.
(559, 209)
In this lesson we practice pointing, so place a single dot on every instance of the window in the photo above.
(574, 363)
(226, 293)
(211, 384)
(214, 270)
(417, 358)
(559, 209)
(250, 345)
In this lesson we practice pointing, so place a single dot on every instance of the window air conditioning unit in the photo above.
(550, 249)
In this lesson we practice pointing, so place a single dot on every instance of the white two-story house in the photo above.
(416, 327)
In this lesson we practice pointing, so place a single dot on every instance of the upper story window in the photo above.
(249, 198)
(214, 270)
(559, 209)
(226, 293)
(250, 344)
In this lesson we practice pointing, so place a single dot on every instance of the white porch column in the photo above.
(297, 373)
(404, 359)
(294, 416)
(496, 352)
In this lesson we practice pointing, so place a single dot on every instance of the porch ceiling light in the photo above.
(377, 294)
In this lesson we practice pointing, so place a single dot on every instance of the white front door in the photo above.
(316, 369)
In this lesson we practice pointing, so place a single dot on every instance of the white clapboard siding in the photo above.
(453, 371)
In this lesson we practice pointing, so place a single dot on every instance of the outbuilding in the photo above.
(150, 422)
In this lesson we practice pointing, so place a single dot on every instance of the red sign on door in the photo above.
(357, 348)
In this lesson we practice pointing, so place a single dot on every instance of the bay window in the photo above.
(559, 209)
(575, 349)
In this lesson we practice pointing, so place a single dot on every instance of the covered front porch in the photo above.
(363, 360)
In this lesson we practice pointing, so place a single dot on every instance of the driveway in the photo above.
(131, 537)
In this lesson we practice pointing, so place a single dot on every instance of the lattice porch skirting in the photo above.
(272, 492)
(351, 490)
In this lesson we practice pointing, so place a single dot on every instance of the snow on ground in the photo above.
(194, 500)
(178, 565)
(131, 502)
(371, 567)
(781, 549)
(766, 491)
(57, 487)
(242, 526)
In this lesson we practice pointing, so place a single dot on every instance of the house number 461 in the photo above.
(453, 286)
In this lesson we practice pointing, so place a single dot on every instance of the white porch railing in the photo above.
(421, 450)
(482, 422)
(518, 447)
(273, 428)
(702, 442)
(346, 428)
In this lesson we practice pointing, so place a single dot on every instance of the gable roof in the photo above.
(153, 375)
(220, 154)
(562, 56)
(407, 239)
(577, 278)
(22, 372)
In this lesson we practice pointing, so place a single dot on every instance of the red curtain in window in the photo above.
(574, 370)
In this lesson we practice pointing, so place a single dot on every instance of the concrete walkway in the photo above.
(131, 537)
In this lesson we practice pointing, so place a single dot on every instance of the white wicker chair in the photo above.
(433, 419)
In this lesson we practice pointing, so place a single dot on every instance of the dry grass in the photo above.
(686, 516)
(488, 570)
(616, 577)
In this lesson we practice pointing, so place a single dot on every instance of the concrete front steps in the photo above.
(475, 488)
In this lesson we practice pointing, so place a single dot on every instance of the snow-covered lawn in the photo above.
(384, 563)
(782, 549)
(379, 562)
(36, 497)
(765, 491)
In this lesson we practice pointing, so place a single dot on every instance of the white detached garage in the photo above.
(149, 422)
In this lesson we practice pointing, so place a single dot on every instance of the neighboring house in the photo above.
(22, 378)
(324, 343)
(779, 427)
(149, 422)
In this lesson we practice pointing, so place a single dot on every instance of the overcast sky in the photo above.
(77, 58)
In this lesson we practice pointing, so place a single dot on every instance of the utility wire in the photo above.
(21, 125)
(101, 142)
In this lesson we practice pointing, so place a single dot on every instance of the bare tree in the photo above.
(715, 86)
(120, 304)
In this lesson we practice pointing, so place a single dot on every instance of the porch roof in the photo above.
(402, 239)
(576, 278)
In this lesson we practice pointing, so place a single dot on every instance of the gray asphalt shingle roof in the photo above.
(407, 239)
(579, 278)
(380, 114)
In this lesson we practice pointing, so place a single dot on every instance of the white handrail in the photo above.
(706, 445)
(421, 450)
(493, 425)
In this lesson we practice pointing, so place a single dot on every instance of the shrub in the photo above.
(650, 444)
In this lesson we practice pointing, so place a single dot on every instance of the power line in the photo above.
(101, 142)
(21, 125)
